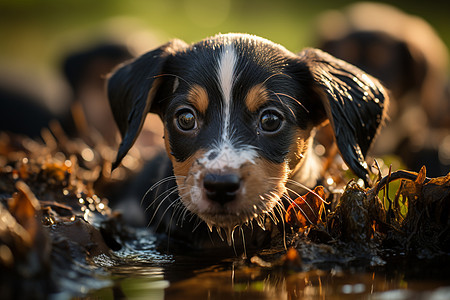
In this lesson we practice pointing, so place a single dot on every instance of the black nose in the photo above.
(221, 188)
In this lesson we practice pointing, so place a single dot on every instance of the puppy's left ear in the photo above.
(354, 102)
(132, 89)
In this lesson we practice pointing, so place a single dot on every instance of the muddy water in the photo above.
(140, 271)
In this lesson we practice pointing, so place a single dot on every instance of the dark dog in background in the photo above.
(239, 115)
(406, 54)
(84, 71)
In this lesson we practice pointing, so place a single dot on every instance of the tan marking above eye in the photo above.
(198, 97)
(256, 97)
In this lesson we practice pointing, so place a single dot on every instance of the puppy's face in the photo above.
(238, 112)
(236, 124)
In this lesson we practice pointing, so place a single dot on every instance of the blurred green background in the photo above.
(37, 34)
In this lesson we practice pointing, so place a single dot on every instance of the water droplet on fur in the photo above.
(219, 232)
(260, 222)
(230, 237)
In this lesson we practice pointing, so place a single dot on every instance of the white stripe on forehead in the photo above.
(227, 63)
(223, 154)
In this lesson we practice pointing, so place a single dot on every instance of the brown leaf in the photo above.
(437, 189)
(23, 233)
(24, 206)
(424, 225)
(307, 209)
(436, 197)
(412, 190)
(421, 176)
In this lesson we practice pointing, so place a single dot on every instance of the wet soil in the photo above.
(59, 238)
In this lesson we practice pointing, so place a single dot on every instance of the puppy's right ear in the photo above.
(354, 102)
(131, 90)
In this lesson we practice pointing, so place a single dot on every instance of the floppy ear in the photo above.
(131, 90)
(354, 102)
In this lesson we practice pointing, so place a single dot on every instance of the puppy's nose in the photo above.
(221, 188)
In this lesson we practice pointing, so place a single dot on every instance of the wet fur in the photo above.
(229, 82)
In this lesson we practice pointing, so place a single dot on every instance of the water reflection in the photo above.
(141, 271)
(224, 281)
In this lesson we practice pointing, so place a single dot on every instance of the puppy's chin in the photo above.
(224, 221)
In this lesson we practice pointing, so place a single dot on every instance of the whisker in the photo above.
(183, 218)
(290, 97)
(192, 217)
(288, 199)
(272, 196)
(210, 236)
(180, 218)
(293, 192)
(173, 75)
(301, 185)
(281, 209)
(282, 102)
(199, 222)
(167, 194)
(174, 212)
(166, 179)
(162, 216)
(303, 212)
(183, 212)
(296, 183)
(304, 200)
(168, 191)
(275, 74)
(161, 202)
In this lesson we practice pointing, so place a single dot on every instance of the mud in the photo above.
(59, 237)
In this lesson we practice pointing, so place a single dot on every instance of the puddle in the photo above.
(142, 272)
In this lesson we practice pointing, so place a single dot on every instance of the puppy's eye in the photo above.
(270, 121)
(186, 120)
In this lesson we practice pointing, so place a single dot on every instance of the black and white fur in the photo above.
(239, 114)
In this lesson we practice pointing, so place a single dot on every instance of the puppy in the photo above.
(239, 115)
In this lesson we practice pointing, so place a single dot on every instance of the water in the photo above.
(141, 271)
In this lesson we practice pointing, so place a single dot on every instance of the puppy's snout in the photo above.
(221, 188)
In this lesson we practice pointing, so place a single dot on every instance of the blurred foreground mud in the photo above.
(52, 223)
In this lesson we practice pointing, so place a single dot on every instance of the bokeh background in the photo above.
(37, 34)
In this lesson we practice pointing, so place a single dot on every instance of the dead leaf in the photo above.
(306, 210)
(24, 207)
